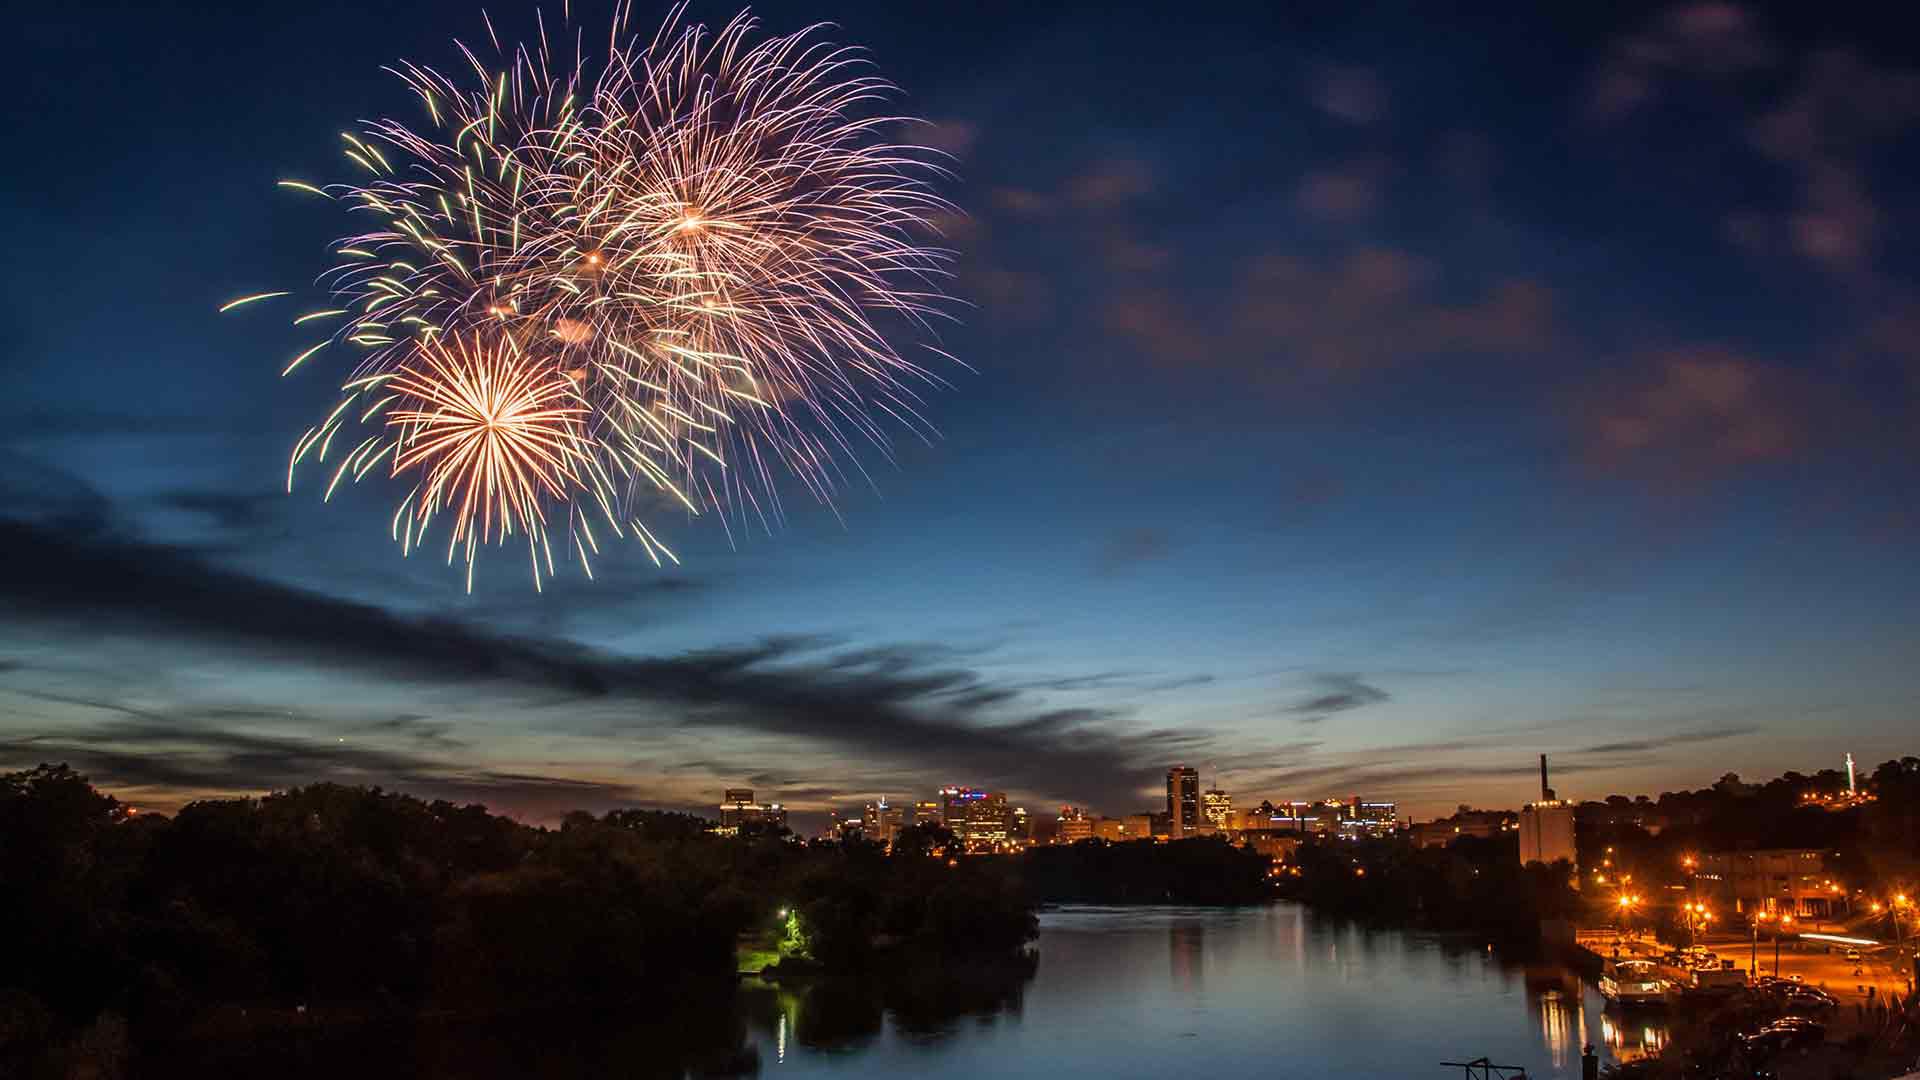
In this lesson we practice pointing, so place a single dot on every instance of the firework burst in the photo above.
(673, 272)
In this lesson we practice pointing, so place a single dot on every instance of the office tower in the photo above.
(1183, 801)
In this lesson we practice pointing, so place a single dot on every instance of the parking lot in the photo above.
(1820, 964)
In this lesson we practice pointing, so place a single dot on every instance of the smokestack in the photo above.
(1546, 793)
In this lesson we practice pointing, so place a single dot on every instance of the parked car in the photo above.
(1807, 999)
(1778, 986)
(1784, 1035)
(1853, 955)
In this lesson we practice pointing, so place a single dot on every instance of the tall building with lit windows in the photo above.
(1183, 801)
(1074, 825)
(1215, 807)
(881, 823)
(1374, 819)
(982, 820)
(953, 806)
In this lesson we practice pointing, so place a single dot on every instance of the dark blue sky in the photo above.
(1365, 401)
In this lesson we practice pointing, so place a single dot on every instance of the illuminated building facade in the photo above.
(881, 823)
(1546, 833)
(953, 806)
(1074, 825)
(1359, 819)
(1546, 827)
(1241, 820)
(1795, 881)
(1303, 817)
(982, 820)
(737, 809)
(1183, 801)
(1216, 807)
(989, 824)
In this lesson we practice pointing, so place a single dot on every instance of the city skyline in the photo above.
(1342, 404)
(1289, 813)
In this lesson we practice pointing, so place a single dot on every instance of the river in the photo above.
(1273, 991)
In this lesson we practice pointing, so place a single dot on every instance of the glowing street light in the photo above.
(1698, 916)
(1753, 940)
(1627, 902)
(1786, 920)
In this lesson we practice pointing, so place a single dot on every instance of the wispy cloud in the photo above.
(1339, 693)
(896, 706)
(1662, 742)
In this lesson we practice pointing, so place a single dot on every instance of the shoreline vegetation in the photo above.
(347, 906)
(1474, 885)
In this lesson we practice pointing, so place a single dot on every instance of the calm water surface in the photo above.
(1269, 991)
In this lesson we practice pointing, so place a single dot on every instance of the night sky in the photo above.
(1364, 402)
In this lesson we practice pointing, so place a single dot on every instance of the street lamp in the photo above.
(1697, 917)
(1786, 920)
(1753, 941)
(1900, 902)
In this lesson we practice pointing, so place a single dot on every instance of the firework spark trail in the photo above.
(668, 273)
(491, 435)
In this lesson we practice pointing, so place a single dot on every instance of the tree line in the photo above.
(328, 896)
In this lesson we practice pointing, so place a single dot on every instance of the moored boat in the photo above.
(1633, 982)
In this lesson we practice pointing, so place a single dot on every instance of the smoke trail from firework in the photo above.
(673, 272)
